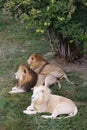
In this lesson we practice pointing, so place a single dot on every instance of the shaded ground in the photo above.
(79, 65)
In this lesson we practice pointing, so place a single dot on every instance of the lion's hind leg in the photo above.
(50, 80)
(53, 115)
(68, 116)
(48, 116)
(59, 84)
(53, 78)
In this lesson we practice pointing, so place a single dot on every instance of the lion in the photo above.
(26, 79)
(44, 101)
(41, 66)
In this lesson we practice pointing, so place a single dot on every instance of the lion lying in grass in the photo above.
(27, 79)
(44, 101)
(41, 66)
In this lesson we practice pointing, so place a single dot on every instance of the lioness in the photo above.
(41, 66)
(44, 101)
(27, 79)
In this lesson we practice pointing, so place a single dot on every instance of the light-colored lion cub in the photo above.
(52, 73)
(44, 101)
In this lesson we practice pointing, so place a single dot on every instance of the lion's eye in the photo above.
(32, 58)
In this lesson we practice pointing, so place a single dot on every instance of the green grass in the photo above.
(16, 44)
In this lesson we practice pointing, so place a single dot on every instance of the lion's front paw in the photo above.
(15, 88)
(29, 112)
(11, 92)
(30, 108)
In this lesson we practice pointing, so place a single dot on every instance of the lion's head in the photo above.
(26, 77)
(35, 61)
(41, 94)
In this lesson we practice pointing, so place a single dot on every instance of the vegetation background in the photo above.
(17, 42)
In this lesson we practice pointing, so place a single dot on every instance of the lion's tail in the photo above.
(65, 76)
(70, 115)
(60, 76)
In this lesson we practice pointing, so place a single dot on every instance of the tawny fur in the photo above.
(44, 101)
(41, 66)
(26, 79)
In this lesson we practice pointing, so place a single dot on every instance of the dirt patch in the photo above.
(78, 66)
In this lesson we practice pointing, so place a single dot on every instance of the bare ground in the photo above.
(78, 66)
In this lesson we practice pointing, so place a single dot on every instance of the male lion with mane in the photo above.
(26, 79)
(52, 73)
(44, 101)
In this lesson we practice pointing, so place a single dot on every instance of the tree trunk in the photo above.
(70, 51)
(49, 32)
(64, 49)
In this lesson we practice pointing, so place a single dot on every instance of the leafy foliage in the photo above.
(66, 18)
